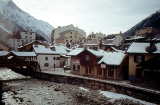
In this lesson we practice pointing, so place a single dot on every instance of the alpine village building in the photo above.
(98, 63)
(48, 57)
(140, 54)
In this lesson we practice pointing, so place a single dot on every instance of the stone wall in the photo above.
(137, 92)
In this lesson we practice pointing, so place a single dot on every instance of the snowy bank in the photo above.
(116, 96)
(8, 74)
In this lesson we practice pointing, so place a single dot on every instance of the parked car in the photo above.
(67, 67)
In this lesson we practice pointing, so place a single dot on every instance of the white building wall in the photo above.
(52, 62)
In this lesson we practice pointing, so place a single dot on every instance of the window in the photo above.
(138, 58)
(74, 67)
(70, 32)
(46, 64)
(110, 72)
(53, 58)
(57, 58)
(46, 58)
(78, 67)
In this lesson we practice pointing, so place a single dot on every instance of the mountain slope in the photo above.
(151, 21)
(13, 19)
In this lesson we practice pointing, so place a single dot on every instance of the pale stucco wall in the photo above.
(41, 60)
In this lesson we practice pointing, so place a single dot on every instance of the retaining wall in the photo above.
(137, 92)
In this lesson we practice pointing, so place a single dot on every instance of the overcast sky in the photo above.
(107, 16)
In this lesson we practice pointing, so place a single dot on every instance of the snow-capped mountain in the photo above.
(151, 21)
(13, 19)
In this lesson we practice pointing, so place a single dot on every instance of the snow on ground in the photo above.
(8, 74)
(121, 96)
(82, 88)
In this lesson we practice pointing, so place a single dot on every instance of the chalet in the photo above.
(140, 54)
(97, 63)
(84, 61)
(11, 59)
(26, 56)
(113, 66)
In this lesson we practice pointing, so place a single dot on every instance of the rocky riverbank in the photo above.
(38, 92)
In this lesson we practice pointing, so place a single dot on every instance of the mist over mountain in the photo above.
(13, 19)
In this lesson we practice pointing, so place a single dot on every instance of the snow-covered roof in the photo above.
(136, 37)
(117, 50)
(40, 49)
(24, 54)
(112, 58)
(61, 49)
(141, 48)
(75, 51)
(3, 53)
(97, 53)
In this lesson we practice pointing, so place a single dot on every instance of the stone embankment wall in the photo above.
(137, 92)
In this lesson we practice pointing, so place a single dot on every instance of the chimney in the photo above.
(53, 48)
(152, 48)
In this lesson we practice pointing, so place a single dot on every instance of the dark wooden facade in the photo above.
(86, 64)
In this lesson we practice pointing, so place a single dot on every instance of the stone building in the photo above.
(93, 40)
(113, 40)
(68, 35)
(21, 39)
